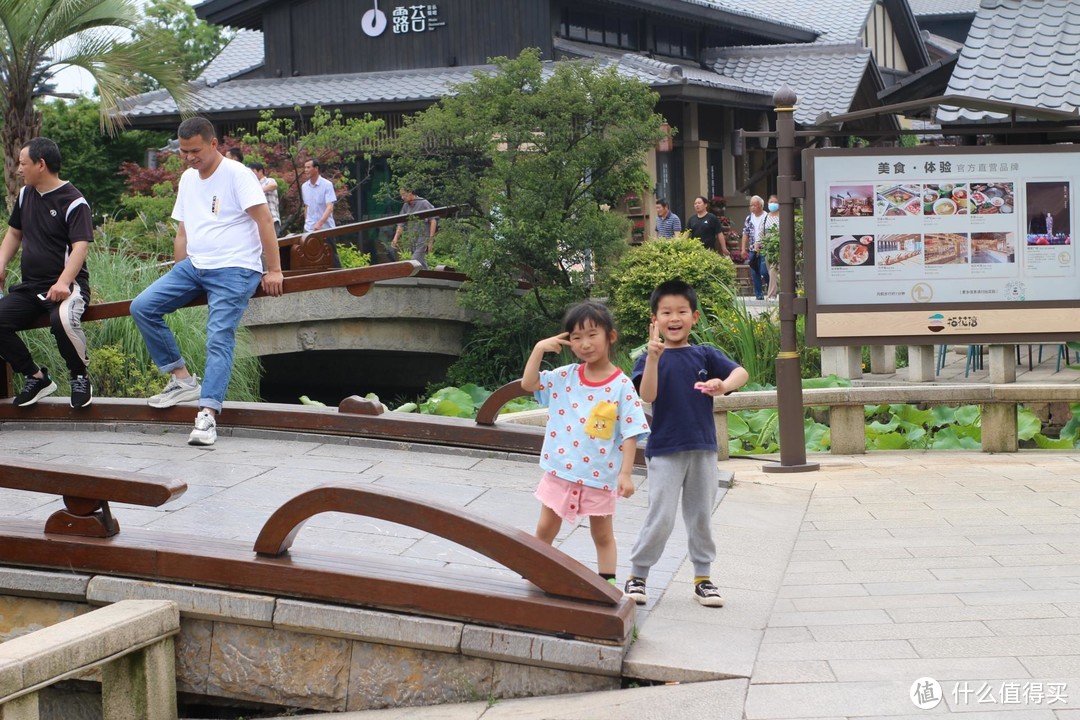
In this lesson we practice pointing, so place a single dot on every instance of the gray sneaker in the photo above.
(176, 392)
(205, 432)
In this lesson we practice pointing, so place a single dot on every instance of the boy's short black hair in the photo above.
(577, 315)
(673, 287)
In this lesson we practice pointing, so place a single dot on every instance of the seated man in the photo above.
(51, 223)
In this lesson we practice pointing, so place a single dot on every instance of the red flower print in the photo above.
(579, 482)
(552, 433)
(571, 506)
(596, 473)
(637, 404)
(582, 421)
(569, 466)
(586, 458)
(568, 428)
(562, 451)
(603, 451)
(563, 373)
(573, 405)
(607, 389)
(561, 411)
(573, 492)
(554, 395)
(551, 385)
(607, 488)
(576, 443)
(569, 389)
(545, 456)
(611, 465)
(590, 398)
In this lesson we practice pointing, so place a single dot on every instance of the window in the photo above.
(599, 28)
(675, 41)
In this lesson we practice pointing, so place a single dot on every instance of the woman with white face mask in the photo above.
(772, 220)
(753, 234)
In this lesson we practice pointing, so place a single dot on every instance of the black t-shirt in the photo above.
(704, 228)
(50, 223)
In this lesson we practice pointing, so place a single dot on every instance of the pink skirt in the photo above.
(570, 499)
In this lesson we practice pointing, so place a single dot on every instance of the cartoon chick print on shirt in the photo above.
(601, 422)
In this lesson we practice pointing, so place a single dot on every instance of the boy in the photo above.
(680, 380)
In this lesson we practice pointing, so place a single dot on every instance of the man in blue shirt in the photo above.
(667, 222)
(319, 198)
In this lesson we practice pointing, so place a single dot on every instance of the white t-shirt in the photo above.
(219, 231)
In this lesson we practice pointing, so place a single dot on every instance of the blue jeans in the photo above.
(227, 292)
(759, 273)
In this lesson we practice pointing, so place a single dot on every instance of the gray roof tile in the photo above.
(1019, 51)
(835, 20)
(243, 53)
(824, 77)
(923, 8)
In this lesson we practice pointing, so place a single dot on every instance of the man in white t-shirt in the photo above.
(223, 236)
(319, 198)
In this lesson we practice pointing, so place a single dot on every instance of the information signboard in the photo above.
(914, 245)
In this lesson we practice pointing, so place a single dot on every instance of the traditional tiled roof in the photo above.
(243, 54)
(924, 8)
(1019, 51)
(824, 77)
(834, 20)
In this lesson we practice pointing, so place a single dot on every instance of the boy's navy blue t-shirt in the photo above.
(682, 416)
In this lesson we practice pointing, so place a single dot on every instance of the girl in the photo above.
(594, 420)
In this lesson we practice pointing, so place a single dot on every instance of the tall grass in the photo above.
(750, 338)
(126, 369)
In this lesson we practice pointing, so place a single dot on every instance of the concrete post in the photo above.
(21, 708)
(882, 359)
(720, 421)
(842, 361)
(999, 428)
(921, 363)
(1002, 364)
(847, 429)
(142, 685)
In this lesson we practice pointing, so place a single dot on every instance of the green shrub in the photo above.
(632, 280)
(351, 257)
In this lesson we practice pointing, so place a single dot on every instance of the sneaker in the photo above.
(177, 391)
(707, 594)
(205, 432)
(635, 590)
(34, 389)
(82, 392)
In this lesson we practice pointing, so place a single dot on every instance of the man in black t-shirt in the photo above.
(51, 223)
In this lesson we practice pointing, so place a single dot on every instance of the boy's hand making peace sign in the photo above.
(656, 343)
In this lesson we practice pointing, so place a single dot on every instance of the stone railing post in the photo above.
(883, 359)
(142, 685)
(922, 364)
(21, 708)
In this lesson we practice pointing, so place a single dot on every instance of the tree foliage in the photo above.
(91, 160)
(191, 42)
(533, 154)
(40, 37)
(284, 143)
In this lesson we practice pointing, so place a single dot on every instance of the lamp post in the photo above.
(788, 377)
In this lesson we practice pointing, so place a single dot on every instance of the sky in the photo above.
(77, 80)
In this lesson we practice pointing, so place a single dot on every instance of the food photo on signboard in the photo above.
(898, 200)
(1048, 220)
(988, 248)
(852, 250)
(946, 248)
(945, 199)
(992, 198)
(899, 250)
(851, 201)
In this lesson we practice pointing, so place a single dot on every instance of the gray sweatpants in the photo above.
(694, 474)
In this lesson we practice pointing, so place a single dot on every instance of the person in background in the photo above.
(422, 231)
(752, 235)
(235, 154)
(772, 220)
(667, 222)
(705, 226)
(270, 190)
(319, 197)
(51, 223)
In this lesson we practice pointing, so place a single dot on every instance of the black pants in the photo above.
(21, 307)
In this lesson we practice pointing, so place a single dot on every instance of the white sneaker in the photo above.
(205, 432)
(177, 391)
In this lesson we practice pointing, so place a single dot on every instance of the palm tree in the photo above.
(38, 38)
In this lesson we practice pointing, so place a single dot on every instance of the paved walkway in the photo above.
(843, 586)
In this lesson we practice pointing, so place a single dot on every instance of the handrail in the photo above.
(87, 493)
(536, 561)
(130, 640)
(296, 238)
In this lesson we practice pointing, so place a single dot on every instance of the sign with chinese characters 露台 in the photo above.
(913, 245)
(403, 19)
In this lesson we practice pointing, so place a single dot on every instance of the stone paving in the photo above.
(844, 586)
